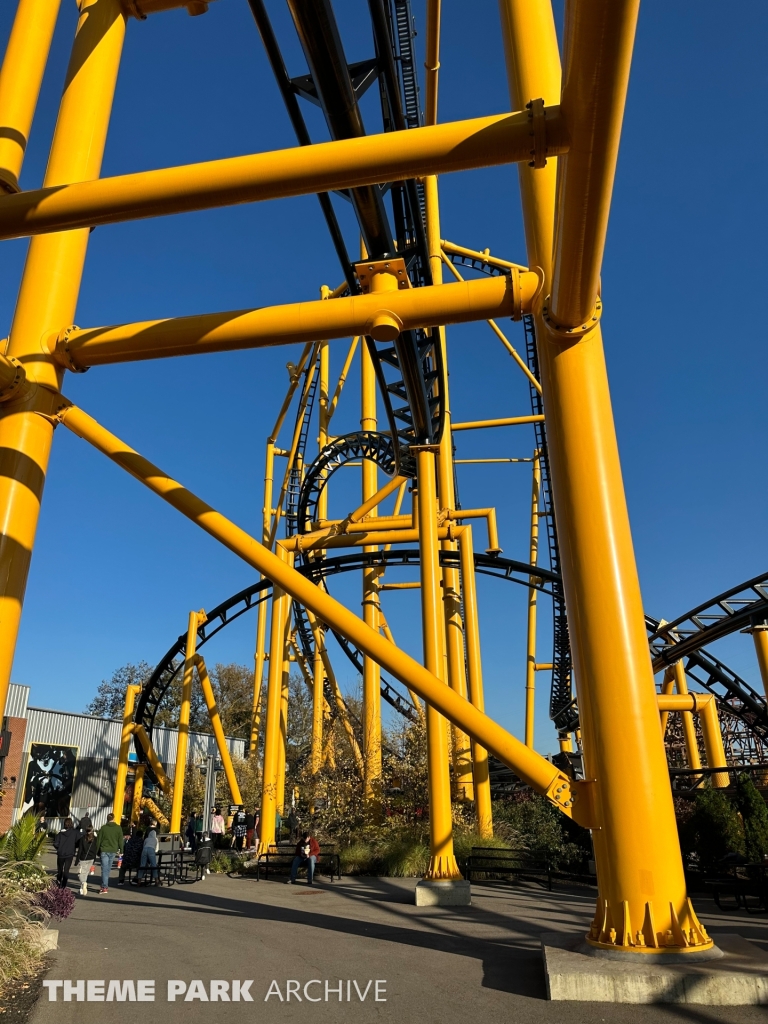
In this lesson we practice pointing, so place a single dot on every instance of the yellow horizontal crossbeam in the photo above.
(509, 421)
(412, 308)
(304, 170)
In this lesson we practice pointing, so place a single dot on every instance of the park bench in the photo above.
(280, 859)
(745, 884)
(487, 862)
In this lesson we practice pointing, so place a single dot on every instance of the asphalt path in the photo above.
(329, 941)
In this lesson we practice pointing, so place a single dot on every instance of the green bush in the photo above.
(754, 816)
(22, 842)
(22, 923)
(543, 832)
(713, 830)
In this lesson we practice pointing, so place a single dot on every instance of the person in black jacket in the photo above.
(85, 824)
(131, 854)
(66, 847)
(86, 855)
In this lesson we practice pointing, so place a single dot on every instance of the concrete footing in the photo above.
(738, 978)
(455, 893)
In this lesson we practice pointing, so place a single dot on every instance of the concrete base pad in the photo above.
(739, 978)
(456, 893)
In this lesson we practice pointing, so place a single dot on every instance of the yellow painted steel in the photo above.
(341, 708)
(46, 302)
(489, 515)
(131, 693)
(371, 670)
(573, 798)
(689, 728)
(442, 862)
(760, 639)
(154, 761)
(480, 773)
(195, 618)
(266, 512)
(147, 804)
(705, 705)
(667, 686)
(533, 557)
(305, 170)
(433, 60)
(318, 704)
(454, 631)
(138, 792)
(407, 309)
(274, 699)
(20, 79)
(642, 903)
(218, 729)
(342, 378)
(498, 331)
(507, 421)
(282, 747)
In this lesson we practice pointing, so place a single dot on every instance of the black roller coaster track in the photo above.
(409, 372)
(228, 611)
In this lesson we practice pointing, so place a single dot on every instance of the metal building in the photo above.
(69, 761)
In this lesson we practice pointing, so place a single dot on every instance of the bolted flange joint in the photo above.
(571, 332)
(60, 350)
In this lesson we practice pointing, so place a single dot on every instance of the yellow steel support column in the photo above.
(371, 669)
(218, 729)
(483, 808)
(131, 693)
(318, 705)
(195, 619)
(689, 726)
(706, 707)
(530, 661)
(266, 533)
(282, 748)
(20, 79)
(667, 687)
(442, 863)
(760, 639)
(454, 633)
(280, 603)
(47, 300)
(138, 792)
(642, 904)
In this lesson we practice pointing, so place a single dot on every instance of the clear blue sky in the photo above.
(115, 572)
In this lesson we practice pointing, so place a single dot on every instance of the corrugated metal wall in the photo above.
(98, 743)
(18, 698)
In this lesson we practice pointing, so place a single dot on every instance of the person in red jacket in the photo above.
(307, 855)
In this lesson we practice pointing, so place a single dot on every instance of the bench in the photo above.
(747, 885)
(329, 862)
(490, 862)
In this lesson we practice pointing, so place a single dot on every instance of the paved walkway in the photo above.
(471, 963)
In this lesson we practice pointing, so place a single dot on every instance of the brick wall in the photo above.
(12, 771)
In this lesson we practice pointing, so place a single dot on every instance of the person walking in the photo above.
(218, 828)
(109, 842)
(250, 823)
(131, 854)
(239, 828)
(149, 857)
(85, 824)
(190, 831)
(86, 855)
(65, 844)
(256, 827)
(294, 825)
